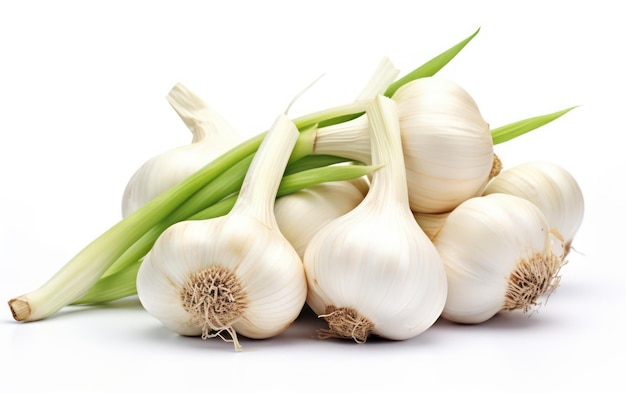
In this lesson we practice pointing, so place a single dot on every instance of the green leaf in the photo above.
(518, 128)
(431, 67)
(313, 161)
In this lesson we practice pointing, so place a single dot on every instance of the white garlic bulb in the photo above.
(212, 136)
(373, 271)
(499, 256)
(448, 149)
(236, 274)
(551, 188)
(301, 214)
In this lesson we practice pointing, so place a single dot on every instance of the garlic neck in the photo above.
(260, 186)
(350, 140)
(389, 182)
(202, 120)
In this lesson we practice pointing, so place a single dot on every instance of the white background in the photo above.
(82, 87)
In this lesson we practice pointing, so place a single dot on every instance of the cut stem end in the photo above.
(20, 309)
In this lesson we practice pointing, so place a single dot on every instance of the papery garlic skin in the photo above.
(430, 223)
(448, 149)
(451, 155)
(301, 214)
(212, 136)
(373, 270)
(551, 188)
(273, 295)
(235, 274)
(493, 247)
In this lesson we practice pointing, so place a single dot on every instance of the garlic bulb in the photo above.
(373, 271)
(551, 188)
(448, 149)
(232, 274)
(212, 136)
(301, 214)
(499, 256)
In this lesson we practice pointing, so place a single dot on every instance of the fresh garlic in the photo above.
(301, 214)
(232, 274)
(448, 149)
(551, 188)
(373, 271)
(499, 256)
(212, 136)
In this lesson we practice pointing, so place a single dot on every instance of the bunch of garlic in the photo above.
(373, 271)
(212, 136)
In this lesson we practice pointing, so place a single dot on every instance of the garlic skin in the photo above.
(212, 136)
(447, 145)
(269, 299)
(551, 188)
(498, 254)
(430, 223)
(303, 213)
(235, 274)
(373, 271)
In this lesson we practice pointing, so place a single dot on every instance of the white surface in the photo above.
(82, 105)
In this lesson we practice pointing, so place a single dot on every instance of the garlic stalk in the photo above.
(373, 271)
(301, 214)
(212, 136)
(551, 188)
(232, 274)
(499, 255)
(448, 150)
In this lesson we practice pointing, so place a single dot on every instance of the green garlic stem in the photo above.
(122, 283)
(116, 286)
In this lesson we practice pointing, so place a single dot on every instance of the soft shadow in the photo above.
(504, 321)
